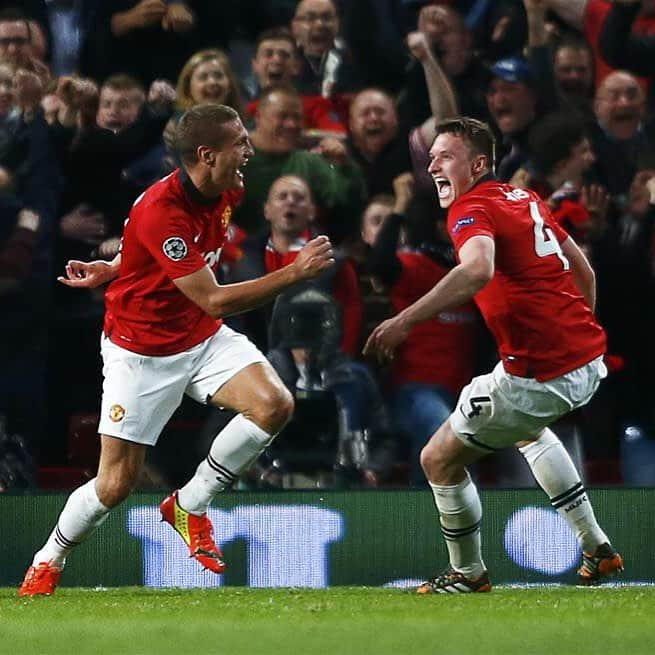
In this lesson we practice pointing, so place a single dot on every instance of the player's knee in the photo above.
(273, 410)
(113, 489)
(430, 460)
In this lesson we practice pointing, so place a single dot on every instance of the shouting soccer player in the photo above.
(536, 292)
(163, 338)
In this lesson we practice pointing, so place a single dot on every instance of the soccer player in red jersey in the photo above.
(163, 337)
(535, 290)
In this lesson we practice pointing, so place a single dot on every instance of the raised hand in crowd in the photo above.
(84, 224)
(79, 101)
(161, 96)
(333, 150)
(419, 46)
(431, 22)
(178, 18)
(144, 14)
(596, 200)
(403, 191)
(28, 88)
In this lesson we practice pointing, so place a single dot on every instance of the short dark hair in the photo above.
(552, 138)
(202, 125)
(123, 82)
(477, 135)
(276, 34)
(574, 43)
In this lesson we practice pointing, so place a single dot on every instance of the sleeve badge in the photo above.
(175, 248)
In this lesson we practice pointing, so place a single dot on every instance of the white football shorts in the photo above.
(140, 392)
(496, 410)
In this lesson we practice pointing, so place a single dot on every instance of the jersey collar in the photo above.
(193, 192)
(489, 177)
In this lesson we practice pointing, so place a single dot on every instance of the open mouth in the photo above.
(625, 117)
(374, 131)
(213, 94)
(239, 170)
(443, 187)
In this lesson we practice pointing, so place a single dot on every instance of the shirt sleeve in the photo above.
(166, 232)
(469, 220)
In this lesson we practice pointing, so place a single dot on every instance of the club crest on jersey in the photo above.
(175, 248)
(227, 215)
(462, 222)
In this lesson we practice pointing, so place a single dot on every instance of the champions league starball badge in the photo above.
(175, 248)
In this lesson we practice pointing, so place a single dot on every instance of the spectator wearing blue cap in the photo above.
(512, 102)
(521, 90)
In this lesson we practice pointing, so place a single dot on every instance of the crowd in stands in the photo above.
(340, 98)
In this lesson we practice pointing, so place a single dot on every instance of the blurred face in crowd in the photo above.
(373, 121)
(511, 105)
(375, 216)
(209, 83)
(315, 25)
(289, 207)
(118, 108)
(580, 161)
(6, 90)
(15, 47)
(279, 121)
(573, 70)
(620, 104)
(275, 62)
(454, 167)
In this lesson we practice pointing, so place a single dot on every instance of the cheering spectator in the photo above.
(277, 61)
(335, 180)
(451, 43)
(327, 67)
(290, 212)
(620, 142)
(378, 143)
(573, 68)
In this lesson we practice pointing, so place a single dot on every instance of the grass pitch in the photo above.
(336, 621)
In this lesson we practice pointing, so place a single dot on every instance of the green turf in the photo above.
(341, 620)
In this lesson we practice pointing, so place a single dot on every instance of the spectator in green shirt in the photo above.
(336, 181)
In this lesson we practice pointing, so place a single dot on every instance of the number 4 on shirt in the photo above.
(545, 242)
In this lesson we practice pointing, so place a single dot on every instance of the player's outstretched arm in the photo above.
(475, 270)
(88, 275)
(223, 300)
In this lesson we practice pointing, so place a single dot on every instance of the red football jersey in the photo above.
(542, 325)
(440, 351)
(172, 231)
